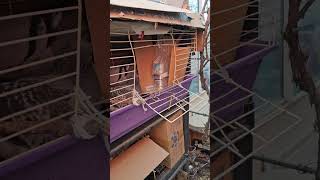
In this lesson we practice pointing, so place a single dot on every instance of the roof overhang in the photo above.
(148, 5)
(159, 13)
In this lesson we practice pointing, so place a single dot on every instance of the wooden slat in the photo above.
(98, 18)
(170, 136)
(137, 162)
(182, 59)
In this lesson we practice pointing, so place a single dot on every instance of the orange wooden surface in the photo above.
(144, 60)
(138, 161)
(227, 37)
(181, 57)
(165, 133)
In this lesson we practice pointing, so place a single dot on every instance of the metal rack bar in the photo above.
(17, 90)
(7, 43)
(46, 60)
(254, 152)
(121, 95)
(77, 85)
(123, 57)
(121, 73)
(150, 40)
(122, 88)
(15, 16)
(119, 82)
(246, 131)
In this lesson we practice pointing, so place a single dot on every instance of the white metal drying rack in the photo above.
(222, 139)
(76, 53)
(153, 101)
(229, 143)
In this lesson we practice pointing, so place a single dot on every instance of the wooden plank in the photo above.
(138, 161)
(144, 60)
(97, 15)
(170, 136)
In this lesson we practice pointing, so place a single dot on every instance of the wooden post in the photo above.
(98, 21)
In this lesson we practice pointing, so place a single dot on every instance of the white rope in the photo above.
(87, 114)
(78, 127)
(137, 100)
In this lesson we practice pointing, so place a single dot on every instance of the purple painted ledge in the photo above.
(67, 158)
(130, 117)
(243, 72)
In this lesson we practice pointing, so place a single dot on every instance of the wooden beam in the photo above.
(98, 21)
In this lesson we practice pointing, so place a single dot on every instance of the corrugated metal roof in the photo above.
(146, 4)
